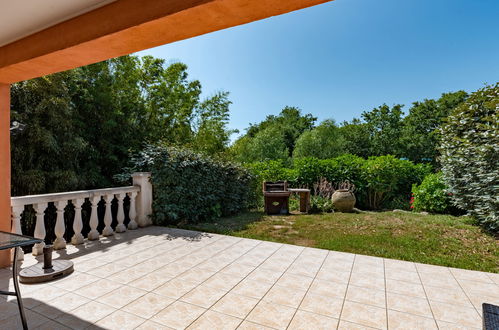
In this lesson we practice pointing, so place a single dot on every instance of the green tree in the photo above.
(469, 148)
(384, 125)
(290, 122)
(420, 130)
(324, 141)
(356, 138)
(267, 144)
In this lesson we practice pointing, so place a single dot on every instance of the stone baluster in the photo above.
(108, 230)
(16, 225)
(39, 227)
(121, 213)
(94, 220)
(77, 222)
(132, 214)
(144, 198)
(60, 228)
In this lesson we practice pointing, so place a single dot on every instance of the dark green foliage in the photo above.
(470, 155)
(324, 141)
(380, 182)
(420, 130)
(189, 187)
(432, 195)
(82, 125)
(320, 204)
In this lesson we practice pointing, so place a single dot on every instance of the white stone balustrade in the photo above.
(140, 195)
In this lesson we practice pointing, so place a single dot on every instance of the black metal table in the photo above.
(14, 241)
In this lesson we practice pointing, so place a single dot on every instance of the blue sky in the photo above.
(341, 58)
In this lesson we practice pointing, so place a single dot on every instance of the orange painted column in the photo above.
(5, 222)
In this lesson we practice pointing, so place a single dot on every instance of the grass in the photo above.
(434, 239)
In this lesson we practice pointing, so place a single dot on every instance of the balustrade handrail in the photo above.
(139, 211)
(64, 196)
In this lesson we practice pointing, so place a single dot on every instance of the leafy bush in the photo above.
(387, 178)
(431, 195)
(469, 150)
(190, 187)
(380, 182)
(320, 204)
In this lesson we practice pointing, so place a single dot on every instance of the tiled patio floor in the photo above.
(159, 278)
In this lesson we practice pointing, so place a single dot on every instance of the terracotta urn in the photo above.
(343, 200)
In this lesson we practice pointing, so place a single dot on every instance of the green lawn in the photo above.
(434, 239)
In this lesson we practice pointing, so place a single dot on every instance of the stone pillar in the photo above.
(5, 215)
(144, 198)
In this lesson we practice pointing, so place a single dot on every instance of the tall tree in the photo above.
(420, 130)
(384, 125)
(324, 141)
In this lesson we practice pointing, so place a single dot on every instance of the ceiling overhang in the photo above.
(126, 26)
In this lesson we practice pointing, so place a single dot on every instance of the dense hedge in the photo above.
(470, 155)
(381, 182)
(190, 187)
(432, 196)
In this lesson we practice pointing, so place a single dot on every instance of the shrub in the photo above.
(190, 187)
(320, 204)
(388, 178)
(344, 168)
(432, 195)
(469, 150)
(308, 171)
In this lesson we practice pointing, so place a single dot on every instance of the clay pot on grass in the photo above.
(343, 200)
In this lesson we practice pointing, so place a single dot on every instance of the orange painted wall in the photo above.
(5, 222)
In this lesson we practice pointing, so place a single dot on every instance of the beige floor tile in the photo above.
(174, 269)
(120, 320)
(399, 320)
(295, 281)
(478, 299)
(253, 289)
(214, 320)
(222, 281)
(345, 325)
(328, 306)
(285, 296)
(368, 269)
(33, 319)
(148, 305)
(311, 321)
(52, 325)
(453, 326)
(401, 275)
(327, 288)
(98, 288)
(150, 281)
(106, 270)
(487, 289)
(450, 296)
(370, 281)
(8, 309)
(333, 275)
(470, 275)
(265, 275)
(432, 269)
(405, 288)
(196, 275)
(366, 296)
(238, 269)
(61, 305)
(74, 282)
(441, 281)
(121, 296)
(235, 305)
(90, 312)
(35, 298)
(175, 288)
(246, 325)
(406, 304)
(203, 296)
(178, 315)
(304, 269)
(150, 325)
(362, 314)
(464, 316)
(405, 266)
(271, 315)
(338, 266)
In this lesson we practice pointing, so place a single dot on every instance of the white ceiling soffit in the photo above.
(20, 18)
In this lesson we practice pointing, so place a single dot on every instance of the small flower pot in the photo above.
(343, 200)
